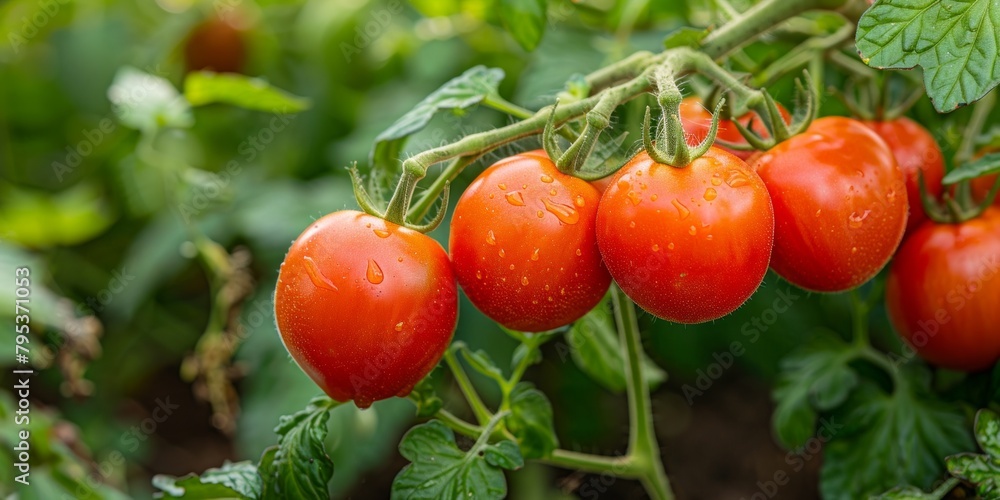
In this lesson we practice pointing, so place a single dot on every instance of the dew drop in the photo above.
(623, 183)
(534, 255)
(819, 211)
(524, 280)
(562, 291)
(860, 173)
(653, 197)
(854, 249)
(856, 220)
(374, 273)
(736, 179)
(638, 173)
(524, 186)
(318, 278)
(369, 225)
(670, 246)
(682, 211)
(631, 224)
(399, 259)
(551, 299)
(710, 194)
(479, 275)
(552, 191)
(546, 178)
(709, 237)
(512, 267)
(891, 195)
(540, 214)
(716, 180)
(399, 326)
(634, 198)
(692, 230)
(502, 186)
(491, 196)
(515, 198)
(579, 252)
(579, 201)
(491, 238)
(381, 233)
(501, 253)
(565, 213)
(656, 248)
(546, 287)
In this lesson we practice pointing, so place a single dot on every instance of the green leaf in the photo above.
(522, 350)
(906, 493)
(594, 347)
(986, 165)
(988, 432)
(530, 421)
(956, 43)
(524, 20)
(684, 37)
(232, 480)
(482, 363)
(461, 92)
(298, 467)
(146, 102)
(439, 469)
(980, 470)
(886, 440)
(37, 219)
(816, 377)
(427, 401)
(206, 87)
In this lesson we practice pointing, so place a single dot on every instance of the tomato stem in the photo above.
(756, 20)
(479, 409)
(803, 54)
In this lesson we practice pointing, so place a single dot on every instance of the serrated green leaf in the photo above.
(482, 363)
(986, 165)
(979, 470)
(888, 440)
(595, 348)
(232, 480)
(207, 87)
(146, 102)
(298, 467)
(439, 469)
(817, 376)
(956, 42)
(524, 20)
(427, 401)
(987, 430)
(530, 421)
(459, 93)
(684, 37)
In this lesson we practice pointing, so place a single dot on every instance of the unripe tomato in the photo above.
(364, 306)
(522, 242)
(915, 151)
(839, 204)
(687, 244)
(696, 120)
(215, 45)
(943, 292)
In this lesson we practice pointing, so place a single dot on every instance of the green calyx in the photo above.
(804, 111)
(396, 211)
(671, 147)
(956, 205)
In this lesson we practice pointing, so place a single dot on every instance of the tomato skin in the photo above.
(519, 260)
(215, 45)
(839, 204)
(696, 120)
(687, 244)
(915, 151)
(943, 292)
(390, 319)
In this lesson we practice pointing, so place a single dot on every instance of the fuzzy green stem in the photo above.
(463, 427)
(758, 19)
(643, 447)
(479, 409)
(980, 112)
(590, 463)
(503, 105)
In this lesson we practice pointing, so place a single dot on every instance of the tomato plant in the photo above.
(687, 244)
(523, 244)
(697, 119)
(366, 307)
(837, 222)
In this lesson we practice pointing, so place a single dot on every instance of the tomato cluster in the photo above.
(367, 307)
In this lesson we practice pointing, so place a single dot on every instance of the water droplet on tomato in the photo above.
(546, 178)
(524, 280)
(479, 275)
(374, 273)
(564, 213)
(709, 237)
(512, 267)
(670, 246)
(860, 173)
(710, 194)
(502, 186)
(579, 201)
(716, 180)
(399, 259)
(856, 220)
(551, 299)
(515, 198)
(501, 253)
(736, 179)
(317, 277)
(524, 186)
(491, 238)
(819, 211)
(552, 191)
(534, 255)
(399, 326)
(891, 195)
(381, 233)
(682, 211)
(579, 252)
(631, 224)
(653, 197)
(634, 198)
(540, 214)
(656, 248)
(692, 230)
(623, 183)
(854, 249)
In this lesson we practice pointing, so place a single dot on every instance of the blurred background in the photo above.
(120, 296)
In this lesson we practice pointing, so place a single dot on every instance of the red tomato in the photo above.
(839, 204)
(364, 306)
(915, 151)
(687, 244)
(522, 242)
(943, 292)
(697, 120)
(215, 45)
(981, 186)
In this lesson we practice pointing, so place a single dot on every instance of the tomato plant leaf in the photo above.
(906, 493)
(816, 377)
(524, 20)
(461, 92)
(298, 467)
(890, 439)
(987, 430)
(956, 42)
(207, 87)
(525, 350)
(482, 363)
(981, 470)
(439, 469)
(594, 347)
(146, 102)
(985, 165)
(685, 36)
(232, 480)
(427, 401)
(530, 421)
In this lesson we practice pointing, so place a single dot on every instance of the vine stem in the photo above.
(644, 451)
(758, 19)
(980, 112)
(483, 414)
